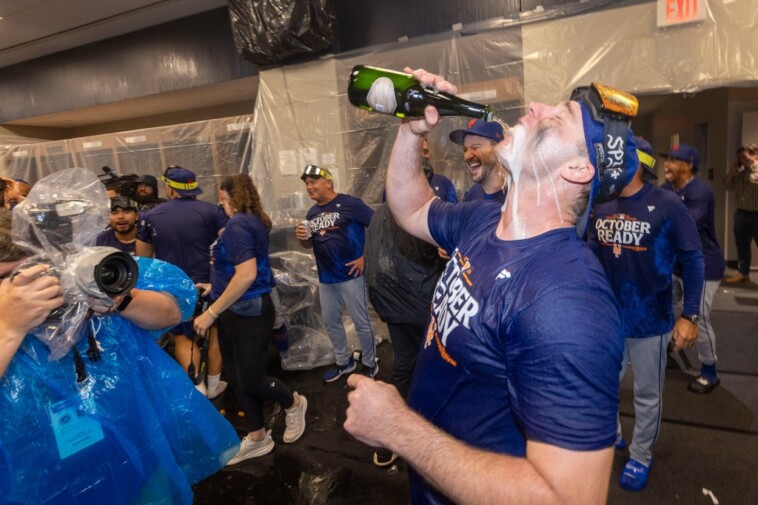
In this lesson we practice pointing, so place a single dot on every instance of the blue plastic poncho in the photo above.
(134, 431)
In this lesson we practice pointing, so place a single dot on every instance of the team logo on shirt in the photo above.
(323, 222)
(452, 304)
(622, 231)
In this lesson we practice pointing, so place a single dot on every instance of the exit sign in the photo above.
(677, 12)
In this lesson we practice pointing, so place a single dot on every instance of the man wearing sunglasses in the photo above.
(515, 394)
(335, 230)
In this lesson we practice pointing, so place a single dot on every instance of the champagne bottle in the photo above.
(390, 92)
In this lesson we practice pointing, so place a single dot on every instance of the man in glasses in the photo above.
(515, 394)
(638, 238)
(335, 230)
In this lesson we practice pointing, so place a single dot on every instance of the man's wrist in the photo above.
(692, 318)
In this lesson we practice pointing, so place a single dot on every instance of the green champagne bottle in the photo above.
(390, 92)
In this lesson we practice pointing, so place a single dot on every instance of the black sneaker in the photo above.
(384, 457)
(703, 386)
(370, 371)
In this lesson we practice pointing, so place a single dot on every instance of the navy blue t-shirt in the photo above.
(698, 198)
(637, 239)
(443, 188)
(476, 192)
(339, 230)
(108, 238)
(244, 238)
(524, 341)
(182, 231)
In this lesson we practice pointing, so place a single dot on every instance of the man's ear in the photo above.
(578, 171)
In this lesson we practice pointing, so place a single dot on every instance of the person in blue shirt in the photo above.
(122, 232)
(241, 292)
(680, 166)
(479, 139)
(442, 186)
(336, 231)
(515, 394)
(639, 237)
(181, 232)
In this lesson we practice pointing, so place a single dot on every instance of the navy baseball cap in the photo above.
(686, 153)
(646, 156)
(487, 129)
(182, 181)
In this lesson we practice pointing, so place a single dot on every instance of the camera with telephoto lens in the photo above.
(125, 185)
(103, 273)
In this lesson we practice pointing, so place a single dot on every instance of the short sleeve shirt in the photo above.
(698, 197)
(476, 192)
(245, 237)
(338, 231)
(524, 340)
(108, 239)
(638, 239)
(181, 232)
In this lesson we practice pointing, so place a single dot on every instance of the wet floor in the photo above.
(326, 465)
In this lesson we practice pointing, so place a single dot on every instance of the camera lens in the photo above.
(116, 274)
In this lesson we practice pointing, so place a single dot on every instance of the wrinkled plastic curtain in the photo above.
(212, 149)
(270, 31)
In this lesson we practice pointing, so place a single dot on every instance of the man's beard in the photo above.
(144, 199)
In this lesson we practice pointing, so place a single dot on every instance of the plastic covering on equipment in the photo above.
(303, 116)
(309, 345)
(133, 429)
(270, 31)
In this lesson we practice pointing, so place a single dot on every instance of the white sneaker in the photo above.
(295, 420)
(253, 449)
(216, 392)
(201, 387)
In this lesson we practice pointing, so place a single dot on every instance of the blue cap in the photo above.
(491, 130)
(182, 181)
(686, 153)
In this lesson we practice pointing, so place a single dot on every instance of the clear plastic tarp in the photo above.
(302, 114)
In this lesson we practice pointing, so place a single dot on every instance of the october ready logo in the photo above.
(622, 231)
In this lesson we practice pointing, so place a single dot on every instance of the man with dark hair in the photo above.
(146, 192)
(336, 233)
(743, 180)
(639, 237)
(479, 139)
(181, 232)
(515, 394)
(122, 232)
(681, 164)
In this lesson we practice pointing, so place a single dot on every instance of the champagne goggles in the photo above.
(314, 171)
(181, 186)
(614, 109)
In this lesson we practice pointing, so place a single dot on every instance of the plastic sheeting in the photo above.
(211, 149)
(309, 345)
(270, 31)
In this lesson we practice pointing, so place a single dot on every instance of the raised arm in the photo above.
(547, 475)
(408, 192)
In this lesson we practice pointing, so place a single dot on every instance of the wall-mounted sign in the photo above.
(677, 12)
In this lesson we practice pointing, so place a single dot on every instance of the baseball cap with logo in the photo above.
(686, 153)
(182, 181)
(487, 129)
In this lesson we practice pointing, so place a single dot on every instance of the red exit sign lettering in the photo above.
(677, 12)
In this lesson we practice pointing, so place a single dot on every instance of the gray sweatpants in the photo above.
(648, 359)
